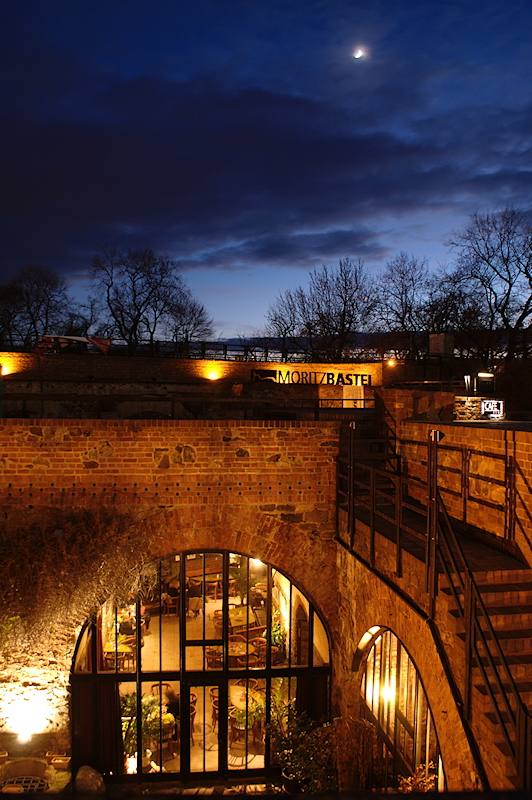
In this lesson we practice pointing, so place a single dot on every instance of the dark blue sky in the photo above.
(244, 139)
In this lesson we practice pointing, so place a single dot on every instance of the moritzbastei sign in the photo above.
(314, 377)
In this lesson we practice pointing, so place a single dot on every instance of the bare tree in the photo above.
(187, 320)
(322, 319)
(495, 257)
(33, 304)
(139, 290)
(402, 293)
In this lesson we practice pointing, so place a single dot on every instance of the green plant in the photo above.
(421, 780)
(151, 723)
(303, 748)
(256, 711)
(277, 632)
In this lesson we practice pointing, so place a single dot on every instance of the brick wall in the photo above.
(485, 475)
(265, 488)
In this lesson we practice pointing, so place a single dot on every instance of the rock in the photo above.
(89, 781)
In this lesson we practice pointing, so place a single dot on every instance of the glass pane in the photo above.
(320, 650)
(239, 578)
(128, 715)
(300, 629)
(195, 659)
(280, 630)
(195, 601)
(204, 745)
(214, 590)
(84, 651)
(160, 726)
(246, 723)
(258, 591)
(117, 637)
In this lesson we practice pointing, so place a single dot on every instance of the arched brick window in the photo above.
(395, 702)
(180, 675)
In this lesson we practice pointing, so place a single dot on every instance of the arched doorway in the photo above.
(394, 700)
(180, 677)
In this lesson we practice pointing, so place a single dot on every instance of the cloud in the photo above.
(221, 172)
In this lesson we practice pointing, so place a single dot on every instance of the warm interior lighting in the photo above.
(256, 562)
(391, 362)
(485, 374)
(28, 715)
(388, 691)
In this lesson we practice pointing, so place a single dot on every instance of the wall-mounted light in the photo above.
(211, 370)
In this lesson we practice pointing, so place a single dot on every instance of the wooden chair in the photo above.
(260, 644)
(214, 713)
(256, 632)
(214, 659)
(193, 699)
(250, 683)
(236, 637)
(251, 662)
(171, 605)
(130, 659)
(159, 689)
(114, 662)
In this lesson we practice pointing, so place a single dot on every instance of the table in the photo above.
(255, 697)
(121, 647)
(241, 617)
(239, 649)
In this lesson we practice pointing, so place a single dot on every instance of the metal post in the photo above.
(431, 575)
(372, 486)
(469, 618)
(523, 746)
(398, 484)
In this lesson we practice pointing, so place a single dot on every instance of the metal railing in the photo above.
(385, 500)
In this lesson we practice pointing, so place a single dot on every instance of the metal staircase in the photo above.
(492, 607)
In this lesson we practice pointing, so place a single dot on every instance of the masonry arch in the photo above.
(394, 700)
(180, 675)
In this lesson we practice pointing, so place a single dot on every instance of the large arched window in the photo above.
(181, 675)
(395, 702)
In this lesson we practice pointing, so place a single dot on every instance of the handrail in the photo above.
(482, 647)
(504, 694)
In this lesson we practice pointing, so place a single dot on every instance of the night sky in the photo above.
(244, 138)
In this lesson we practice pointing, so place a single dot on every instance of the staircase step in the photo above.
(515, 586)
(509, 610)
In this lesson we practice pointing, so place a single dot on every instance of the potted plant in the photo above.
(151, 722)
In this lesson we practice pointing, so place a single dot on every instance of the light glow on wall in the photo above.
(10, 363)
(213, 373)
(28, 715)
